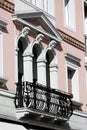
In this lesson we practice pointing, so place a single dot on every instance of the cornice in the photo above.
(5, 4)
(72, 41)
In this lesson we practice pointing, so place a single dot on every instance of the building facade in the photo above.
(43, 68)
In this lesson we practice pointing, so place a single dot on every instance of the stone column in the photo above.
(54, 77)
(28, 75)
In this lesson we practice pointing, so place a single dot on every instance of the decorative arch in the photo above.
(23, 35)
(51, 68)
(37, 42)
(36, 51)
(22, 44)
(21, 47)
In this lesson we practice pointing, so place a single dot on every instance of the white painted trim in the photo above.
(38, 9)
(74, 67)
(23, 34)
(40, 16)
(67, 26)
(72, 57)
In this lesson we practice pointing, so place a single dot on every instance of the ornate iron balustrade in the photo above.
(43, 99)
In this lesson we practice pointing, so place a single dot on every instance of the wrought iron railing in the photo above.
(43, 99)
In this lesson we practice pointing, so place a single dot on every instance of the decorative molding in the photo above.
(7, 5)
(38, 38)
(50, 31)
(52, 44)
(25, 31)
(74, 58)
(72, 41)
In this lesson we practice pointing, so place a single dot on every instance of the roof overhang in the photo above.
(28, 19)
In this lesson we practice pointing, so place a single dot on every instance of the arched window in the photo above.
(22, 45)
(36, 53)
(20, 61)
(51, 69)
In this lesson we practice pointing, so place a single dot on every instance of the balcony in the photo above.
(47, 102)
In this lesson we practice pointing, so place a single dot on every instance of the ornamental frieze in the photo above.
(72, 41)
(5, 4)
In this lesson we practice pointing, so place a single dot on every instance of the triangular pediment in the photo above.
(39, 21)
(39, 25)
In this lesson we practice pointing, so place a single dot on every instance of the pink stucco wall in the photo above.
(67, 48)
(8, 49)
(79, 31)
(11, 32)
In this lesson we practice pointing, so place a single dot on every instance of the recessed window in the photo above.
(70, 76)
(20, 61)
(1, 54)
(70, 13)
(85, 19)
(85, 25)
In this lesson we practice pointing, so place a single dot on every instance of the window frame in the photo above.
(65, 24)
(74, 68)
(73, 62)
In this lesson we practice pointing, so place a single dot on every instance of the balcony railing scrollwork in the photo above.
(43, 99)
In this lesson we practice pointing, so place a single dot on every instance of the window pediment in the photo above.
(73, 58)
(3, 23)
(39, 23)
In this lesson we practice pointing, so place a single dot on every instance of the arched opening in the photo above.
(36, 53)
(49, 58)
(22, 45)
(20, 61)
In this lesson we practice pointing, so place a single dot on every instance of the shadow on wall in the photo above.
(59, 47)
